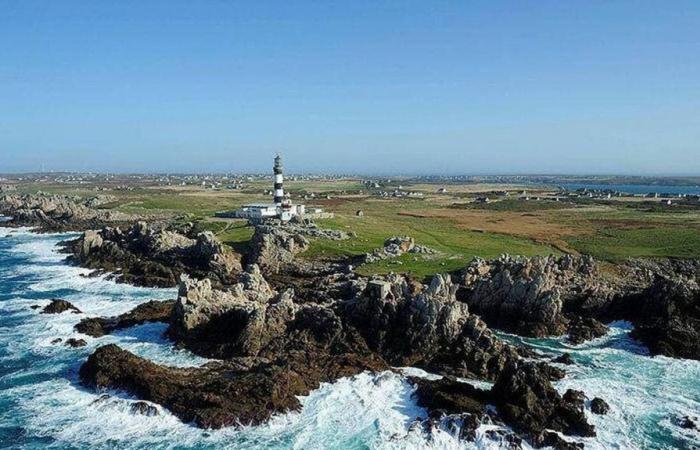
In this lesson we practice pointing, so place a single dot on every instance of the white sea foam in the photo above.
(365, 411)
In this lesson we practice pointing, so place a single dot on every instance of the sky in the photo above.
(374, 87)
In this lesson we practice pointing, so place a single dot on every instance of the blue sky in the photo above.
(408, 87)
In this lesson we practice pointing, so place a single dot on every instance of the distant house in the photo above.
(442, 190)
(482, 200)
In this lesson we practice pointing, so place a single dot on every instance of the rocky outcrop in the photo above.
(151, 311)
(273, 248)
(237, 391)
(58, 306)
(415, 325)
(668, 318)
(564, 358)
(148, 256)
(525, 400)
(235, 322)
(599, 406)
(527, 296)
(76, 343)
(572, 294)
(529, 403)
(394, 247)
(274, 348)
(582, 329)
(56, 212)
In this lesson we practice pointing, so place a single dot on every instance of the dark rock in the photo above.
(448, 396)
(599, 406)
(686, 422)
(564, 358)
(151, 256)
(553, 440)
(151, 311)
(57, 306)
(245, 391)
(427, 328)
(584, 329)
(507, 440)
(143, 409)
(57, 341)
(530, 404)
(35, 306)
(275, 348)
(73, 342)
(669, 318)
(551, 296)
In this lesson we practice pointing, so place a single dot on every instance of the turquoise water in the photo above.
(645, 394)
(43, 406)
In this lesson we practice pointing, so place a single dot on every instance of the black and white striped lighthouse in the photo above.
(277, 169)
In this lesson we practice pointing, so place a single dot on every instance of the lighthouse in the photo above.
(281, 208)
(279, 178)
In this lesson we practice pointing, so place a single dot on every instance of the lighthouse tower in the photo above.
(279, 191)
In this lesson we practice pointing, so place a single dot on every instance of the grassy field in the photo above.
(449, 223)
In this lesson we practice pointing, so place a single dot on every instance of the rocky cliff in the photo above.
(545, 296)
(274, 347)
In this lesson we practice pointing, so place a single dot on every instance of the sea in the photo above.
(43, 405)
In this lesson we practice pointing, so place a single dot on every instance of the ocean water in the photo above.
(42, 405)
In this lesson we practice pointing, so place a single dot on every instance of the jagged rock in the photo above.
(144, 409)
(58, 306)
(526, 295)
(427, 328)
(550, 439)
(551, 296)
(530, 404)
(686, 422)
(668, 320)
(55, 212)
(273, 248)
(73, 342)
(149, 256)
(599, 406)
(448, 396)
(564, 358)
(151, 311)
(243, 391)
(584, 329)
(274, 349)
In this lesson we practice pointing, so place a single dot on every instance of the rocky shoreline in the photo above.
(280, 327)
(575, 295)
(61, 213)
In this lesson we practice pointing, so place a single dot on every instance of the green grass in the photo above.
(236, 234)
(616, 244)
(515, 205)
(456, 246)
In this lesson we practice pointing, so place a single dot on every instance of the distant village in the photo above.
(540, 188)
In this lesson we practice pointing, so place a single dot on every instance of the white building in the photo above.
(282, 207)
